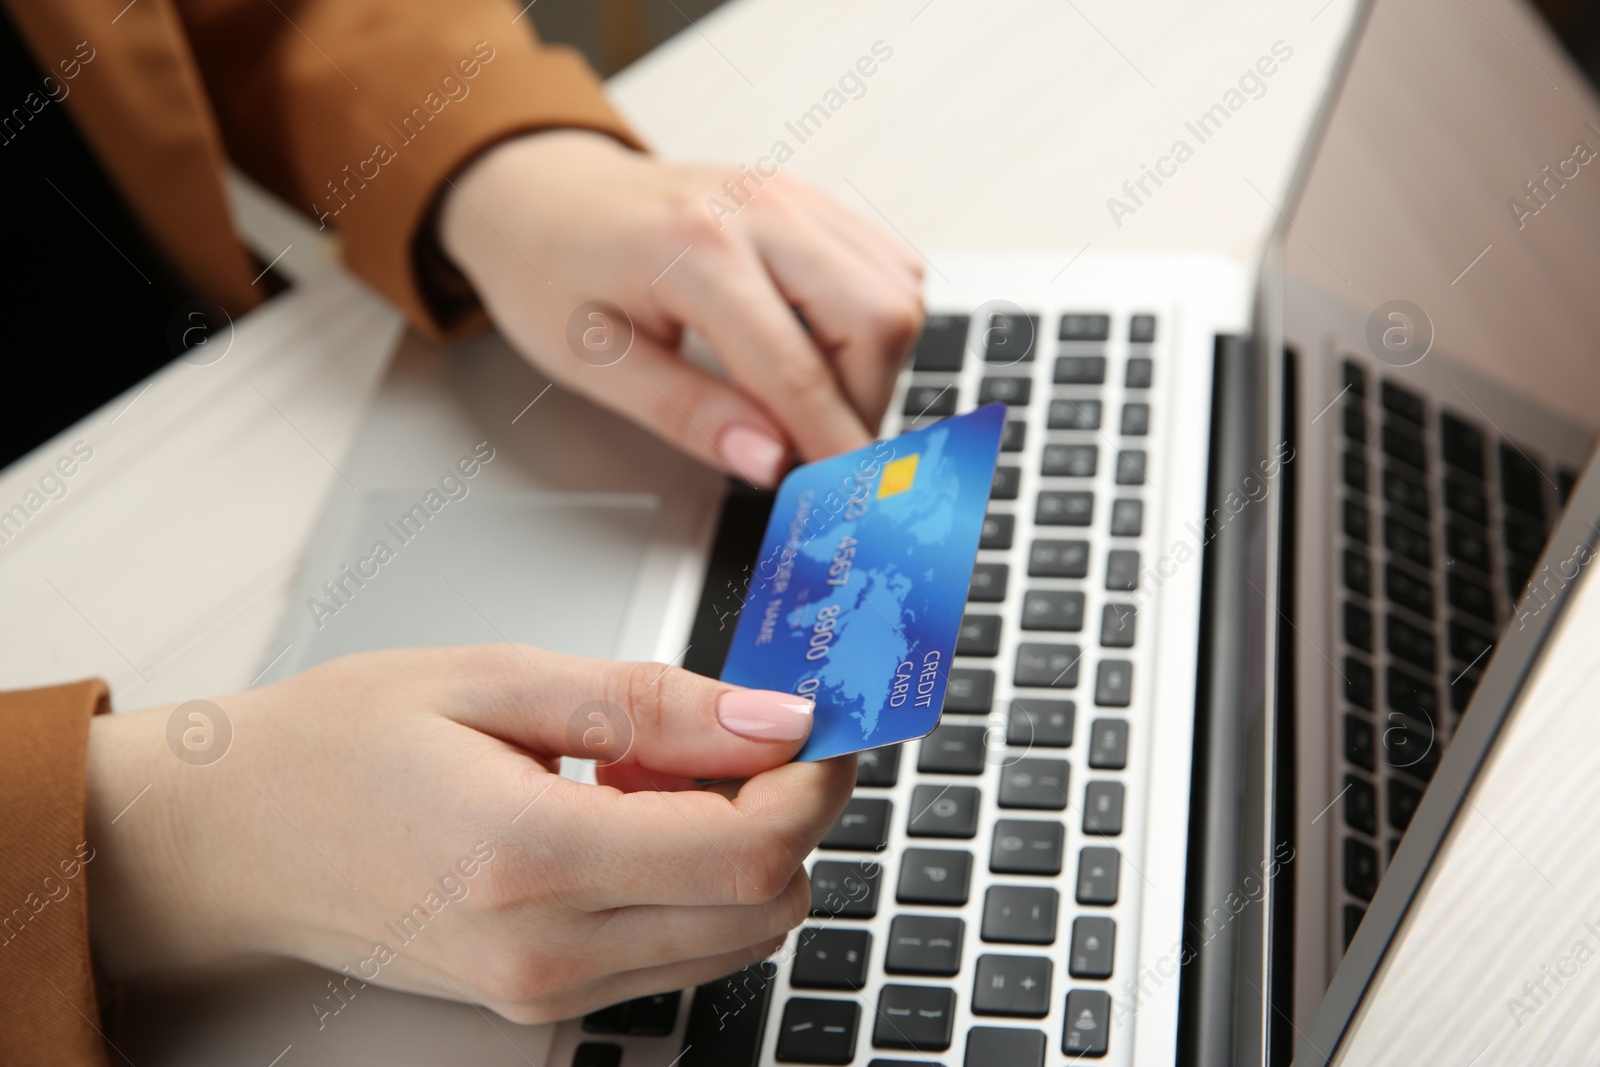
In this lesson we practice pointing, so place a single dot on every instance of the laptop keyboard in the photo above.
(975, 903)
(1442, 521)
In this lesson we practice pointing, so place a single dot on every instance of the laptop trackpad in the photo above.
(554, 570)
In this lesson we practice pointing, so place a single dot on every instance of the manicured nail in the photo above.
(752, 453)
(763, 715)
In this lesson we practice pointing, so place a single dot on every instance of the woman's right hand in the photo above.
(398, 816)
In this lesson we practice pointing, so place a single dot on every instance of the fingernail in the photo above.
(752, 453)
(763, 715)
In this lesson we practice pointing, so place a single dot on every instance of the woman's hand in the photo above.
(547, 224)
(398, 816)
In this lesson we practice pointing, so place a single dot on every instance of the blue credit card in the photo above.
(857, 595)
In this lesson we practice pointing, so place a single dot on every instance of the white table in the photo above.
(168, 563)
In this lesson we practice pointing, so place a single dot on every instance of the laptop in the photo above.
(1247, 561)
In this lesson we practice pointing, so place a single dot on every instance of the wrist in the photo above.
(155, 903)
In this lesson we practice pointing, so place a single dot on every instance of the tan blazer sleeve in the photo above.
(49, 1012)
(357, 111)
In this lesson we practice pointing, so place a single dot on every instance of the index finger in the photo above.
(728, 295)
(700, 847)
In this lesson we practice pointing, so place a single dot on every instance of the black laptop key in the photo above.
(1360, 746)
(1521, 482)
(1468, 543)
(1522, 537)
(1058, 559)
(925, 944)
(1359, 684)
(1069, 461)
(1461, 445)
(818, 1031)
(1088, 1023)
(1130, 467)
(648, 1016)
(1358, 626)
(1094, 942)
(1020, 914)
(1012, 985)
(1113, 683)
(1122, 570)
(1099, 871)
(1402, 402)
(1403, 442)
(979, 635)
(1142, 329)
(934, 876)
(1023, 846)
(1108, 744)
(1357, 572)
(1402, 492)
(1135, 420)
(1071, 414)
(1034, 782)
(1353, 914)
(1008, 389)
(1052, 609)
(1102, 809)
(1127, 518)
(597, 1054)
(932, 400)
(988, 584)
(944, 811)
(943, 343)
(1403, 803)
(1466, 499)
(997, 531)
(1360, 868)
(1355, 472)
(1357, 521)
(1034, 721)
(1411, 643)
(1404, 539)
(830, 958)
(1014, 436)
(1085, 327)
(1355, 421)
(1117, 625)
(1011, 339)
(878, 766)
(1471, 597)
(1140, 373)
(1360, 805)
(1411, 745)
(916, 1018)
(727, 1018)
(1411, 695)
(843, 889)
(1467, 644)
(1048, 666)
(952, 749)
(863, 826)
(1064, 508)
(1413, 594)
(1353, 378)
(1003, 1046)
(1080, 370)
(969, 691)
(1005, 484)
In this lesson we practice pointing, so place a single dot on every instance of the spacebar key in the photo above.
(727, 1018)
